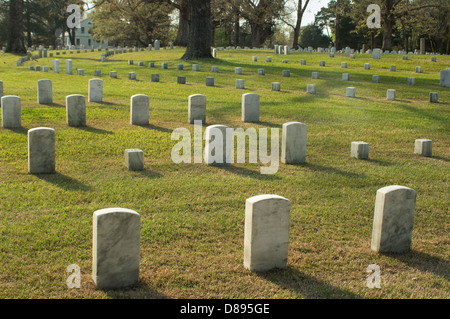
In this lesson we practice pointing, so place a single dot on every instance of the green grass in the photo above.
(193, 215)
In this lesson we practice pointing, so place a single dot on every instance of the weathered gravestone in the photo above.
(218, 143)
(250, 107)
(11, 111)
(445, 78)
(423, 147)
(95, 90)
(359, 150)
(393, 219)
(276, 86)
(41, 150)
(390, 94)
(350, 92)
(45, 91)
(266, 238)
(197, 108)
(134, 159)
(293, 143)
(139, 109)
(76, 110)
(115, 248)
(69, 67)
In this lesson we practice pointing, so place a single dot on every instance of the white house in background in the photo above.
(83, 38)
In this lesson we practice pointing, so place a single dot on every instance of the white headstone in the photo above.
(423, 147)
(45, 91)
(359, 150)
(293, 144)
(393, 219)
(390, 94)
(240, 84)
(311, 88)
(350, 92)
(41, 150)
(116, 248)
(218, 143)
(197, 108)
(139, 109)
(11, 111)
(445, 78)
(95, 90)
(250, 107)
(434, 97)
(76, 110)
(376, 53)
(276, 86)
(266, 238)
(209, 81)
(69, 67)
(134, 159)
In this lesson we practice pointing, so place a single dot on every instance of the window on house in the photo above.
(89, 41)
(82, 30)
(78, 41)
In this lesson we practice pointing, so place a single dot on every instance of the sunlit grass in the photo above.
(193, 215)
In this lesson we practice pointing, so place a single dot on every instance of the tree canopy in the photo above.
(252, 23)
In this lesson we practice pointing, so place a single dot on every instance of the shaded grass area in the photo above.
(193, 215)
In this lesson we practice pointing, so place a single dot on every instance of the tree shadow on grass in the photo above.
(247, 172)
(19, 130)
(157, 128)
(440, 158)
(305, 285)
(104, 103)
(54, 105)
(139, 291)
(65, 182)
(328, 169)
(424, 262)
(94, 130)
(378, 162)
(149, 174)
(268, 124)
(430, 115)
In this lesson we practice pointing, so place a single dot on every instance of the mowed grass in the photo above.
(192, 215)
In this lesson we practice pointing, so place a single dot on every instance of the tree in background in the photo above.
(300, 9)
(15, 28)
(199, 42)
(262, 16)
(312, 35)
(131, 22)
(4, 10)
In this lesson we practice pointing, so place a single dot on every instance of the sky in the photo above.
(313, 7)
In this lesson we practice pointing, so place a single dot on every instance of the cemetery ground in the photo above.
(192, 215)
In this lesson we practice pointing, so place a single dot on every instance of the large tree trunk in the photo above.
(256, 35)
(387, 36)
(28, 22)
(298, 24)
(388, 24)
(199, 42)
(337, 36)
(236, 29)
(15, 28)
(183, 25)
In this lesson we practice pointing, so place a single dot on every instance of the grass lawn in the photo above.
(192, 215)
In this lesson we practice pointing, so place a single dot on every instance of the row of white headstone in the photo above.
(117, 235)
